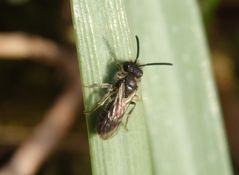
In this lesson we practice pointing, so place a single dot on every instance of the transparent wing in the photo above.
(111, 117)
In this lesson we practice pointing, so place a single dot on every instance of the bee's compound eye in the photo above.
(129, 67)
(126, 66)
(138, 73)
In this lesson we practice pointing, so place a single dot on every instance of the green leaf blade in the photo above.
(97, 23)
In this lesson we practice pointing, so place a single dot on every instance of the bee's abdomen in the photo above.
(107, 126)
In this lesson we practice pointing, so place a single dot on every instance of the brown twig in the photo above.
(59, 118)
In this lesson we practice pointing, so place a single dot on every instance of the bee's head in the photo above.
(132, 68)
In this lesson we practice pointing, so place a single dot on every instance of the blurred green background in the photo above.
(29, 88)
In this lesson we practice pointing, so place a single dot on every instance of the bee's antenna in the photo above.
(153, 64)
(137, 55)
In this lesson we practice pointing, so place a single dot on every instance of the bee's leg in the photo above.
(137, 98)
(99, 103)
(130, 112)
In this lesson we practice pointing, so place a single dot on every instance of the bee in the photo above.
(120, 96)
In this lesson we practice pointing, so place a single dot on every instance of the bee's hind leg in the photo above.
(128, 115)
(130, 112)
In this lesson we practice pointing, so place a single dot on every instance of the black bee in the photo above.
(120, 96)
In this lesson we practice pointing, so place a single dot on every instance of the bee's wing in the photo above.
(107, 128)
(110, 118)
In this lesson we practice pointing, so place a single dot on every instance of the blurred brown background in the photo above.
(40, 84)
